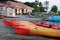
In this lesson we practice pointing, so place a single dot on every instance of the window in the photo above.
(15, 10)
(10, 9)
(10, 13)
(1, 8)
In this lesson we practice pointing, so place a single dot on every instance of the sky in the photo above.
(51, 2)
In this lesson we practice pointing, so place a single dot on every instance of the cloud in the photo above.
(26, 0)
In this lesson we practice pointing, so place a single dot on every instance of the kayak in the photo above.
(11, 22)
(56, 26)
(31, 29)
(44, 24)
(7, 22)
(28, 28)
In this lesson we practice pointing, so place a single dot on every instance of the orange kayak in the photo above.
(28, 28)
(31, 29)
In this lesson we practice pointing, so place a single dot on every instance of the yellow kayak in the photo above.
(40, 31)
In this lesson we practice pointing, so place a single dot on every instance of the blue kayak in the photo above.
(54, 18)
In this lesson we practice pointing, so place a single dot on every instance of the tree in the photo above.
(1, 1)
(54, 8)
(41, 8)
(40, 4)
(46, 4)
(35, 8)
(29, 4)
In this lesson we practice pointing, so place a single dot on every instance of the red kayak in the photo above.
(38, 23)
(56, 26)
(11, 22)
(6, 22)
(21, 29)
(44, 24)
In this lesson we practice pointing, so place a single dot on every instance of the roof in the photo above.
(1, 4)
(18, 5)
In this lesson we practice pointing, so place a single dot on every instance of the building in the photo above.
(11, 9)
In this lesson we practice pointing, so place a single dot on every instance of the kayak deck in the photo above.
(28, 28)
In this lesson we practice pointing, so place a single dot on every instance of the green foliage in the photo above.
(40, 4)
(36, 8)
(46, 4)
(42, 9)
(5, 0)
(29, 4)
(54, 8)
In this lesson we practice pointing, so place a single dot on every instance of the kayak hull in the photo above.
(28, 28)
(11, 22)
(39, 31)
